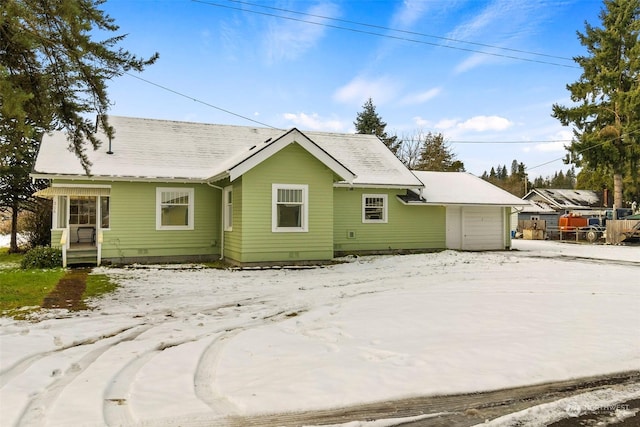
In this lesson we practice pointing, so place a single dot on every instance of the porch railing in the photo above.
(63, 243)
(99, 239)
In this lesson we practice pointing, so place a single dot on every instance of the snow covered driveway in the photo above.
(192, 346)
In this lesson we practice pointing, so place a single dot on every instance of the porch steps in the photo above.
(82, 256)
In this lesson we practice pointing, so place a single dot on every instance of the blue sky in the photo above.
(266, 64)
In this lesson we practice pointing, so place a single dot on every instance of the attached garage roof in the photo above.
(462, 188)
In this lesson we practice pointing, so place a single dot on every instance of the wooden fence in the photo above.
(621, 229)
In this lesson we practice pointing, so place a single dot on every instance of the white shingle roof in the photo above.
(163, 149)
(462, 188)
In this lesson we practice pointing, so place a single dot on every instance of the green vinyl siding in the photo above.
(256, 242)
(232, 239)
(133, 223)
(407, 227)
(132, 230)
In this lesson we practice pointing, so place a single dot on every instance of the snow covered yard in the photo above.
(191, 346)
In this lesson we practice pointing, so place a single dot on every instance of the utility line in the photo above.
(371, 33)
(380, 27)
(510, 142)
(199, 101)
(580, 152)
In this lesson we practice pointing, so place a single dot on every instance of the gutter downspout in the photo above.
(221, 218)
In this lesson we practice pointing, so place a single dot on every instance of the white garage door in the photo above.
(475, 228)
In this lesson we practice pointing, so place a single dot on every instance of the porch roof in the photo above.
(51, 192)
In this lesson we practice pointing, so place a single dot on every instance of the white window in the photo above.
(59, 218)
(174, 208)
(374, 208)
(104, 212)
(227, 195)
(82, 210)
(290, 208)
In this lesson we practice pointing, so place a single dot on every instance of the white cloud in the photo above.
(474, 124)
(290, 39)
(419, 98)
(420, 122)
(358, 90)
(471, 62)
(503, 21)
(557, 144)
(549, 146)
(314, 122)
(410, 12)
(485, 123)
(446, 124)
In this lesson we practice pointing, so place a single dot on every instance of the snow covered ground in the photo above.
(190, 346)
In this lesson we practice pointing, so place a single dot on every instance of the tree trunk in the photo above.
(13, 245)
(617, 190)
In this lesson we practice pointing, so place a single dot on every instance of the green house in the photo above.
(166, 191)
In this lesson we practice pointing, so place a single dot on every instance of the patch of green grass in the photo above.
(26, 288)
(23, 291)
(98, 285)
(9, 260)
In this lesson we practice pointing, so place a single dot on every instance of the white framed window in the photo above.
(290, 208)
(104, 204)
(227, 196)
(82, 210)
(59, 213)
(174, 208)
(374, 208)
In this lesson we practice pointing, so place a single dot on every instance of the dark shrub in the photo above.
(36, 224)
(42, 257)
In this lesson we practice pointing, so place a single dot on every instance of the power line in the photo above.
(199, 101)
(354, 30)
(510, 142)
(380, 27)
(580, 152)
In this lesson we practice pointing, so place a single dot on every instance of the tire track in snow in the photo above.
(7, 374)
(204, 379)
(116, 410)
(38, 406)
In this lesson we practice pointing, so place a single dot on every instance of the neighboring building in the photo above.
(547, 204)
(177, 191)
(565, 200)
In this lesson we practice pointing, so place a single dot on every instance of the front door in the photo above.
(83, 226)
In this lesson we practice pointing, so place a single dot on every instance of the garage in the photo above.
(475, 228)
(478, 214)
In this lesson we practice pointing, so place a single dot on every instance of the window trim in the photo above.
(385, 208)
(100, 213)
(60, 212)
(305, 208)
(228, 216)
(190, 207)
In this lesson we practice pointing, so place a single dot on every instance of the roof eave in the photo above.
(378, 185)
(78, 177)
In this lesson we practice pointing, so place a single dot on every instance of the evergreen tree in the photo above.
(606, 119)
(53, 76)
(369, 122)
(436, 155)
